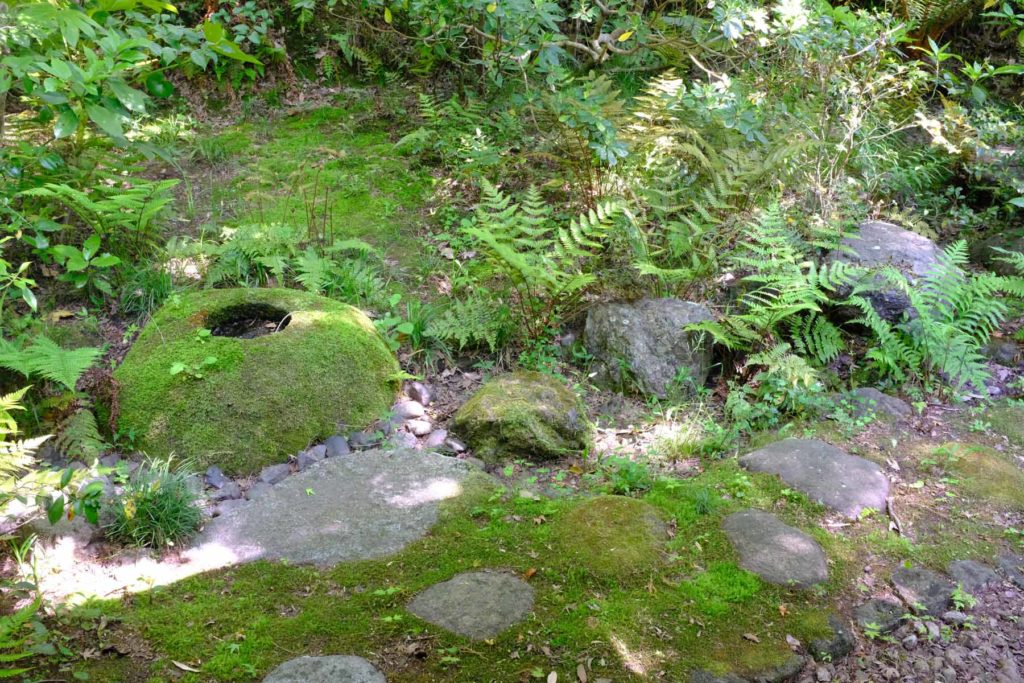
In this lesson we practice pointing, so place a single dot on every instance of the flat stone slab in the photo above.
(477, 605)
(923, 589)
(353, 508)
(335, 669)
(972, 575)
(843, 482)
(883, 615)
(774, 551)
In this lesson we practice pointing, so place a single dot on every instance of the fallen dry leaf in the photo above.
(553, 677)
(581, 673)
(751, 637)
(529, 573)
(783, 610)
(794, 644)
(185, 667)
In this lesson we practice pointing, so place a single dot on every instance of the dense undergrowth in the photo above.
(476, 175)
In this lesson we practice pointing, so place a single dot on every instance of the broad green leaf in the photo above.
(625, 36)
(213, 32)
(132, 99)
(387, 15)
(159, 86)
(29, 297)
(55, 510)
(199, 58)
(231, 50)
(67, 124)
(76, 264)
(91, 246)
(108, 121)
(105, 261)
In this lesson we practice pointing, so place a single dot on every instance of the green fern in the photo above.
(79, 437)
(44, 358)
(15, 647)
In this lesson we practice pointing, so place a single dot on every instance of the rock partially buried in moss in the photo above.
(612, 537)
(1007, 419)
(985, 473)
(523, 415)
(243, 378)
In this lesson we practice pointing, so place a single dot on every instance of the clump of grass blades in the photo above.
(157, 509)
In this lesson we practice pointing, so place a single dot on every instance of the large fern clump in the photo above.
(954, 313)
(548, 265)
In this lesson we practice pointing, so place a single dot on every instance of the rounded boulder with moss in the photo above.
(524, 415)
(242, 378)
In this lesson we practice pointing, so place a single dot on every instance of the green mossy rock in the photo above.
(1007, 419)
(523, 415)
(611, 537)
(264, 397)
(985, 473)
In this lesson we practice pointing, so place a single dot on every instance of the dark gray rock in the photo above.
(477, 605)
(1012, 567)
(343, 509)
(1005, 353)
(843, 482)
(335, 446)
(408, 410)
(774, 551)
(419, 392)
(273, 474)
(834, 648)
(972, 575)
(215, 477)
(334, 669)
(868, 400)
(650, 339)
(436, 438)
(878, 244)
(364, 439)
(110, 460)
(229, 491)
(883, 615)
(955, 618)
(986, 252)
(923, 590)
(784, 672)
(310, 457)
(419, 427)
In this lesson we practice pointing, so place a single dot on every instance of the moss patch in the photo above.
(690, 612)
(985, 473)
(612, 537)
(524, 414)
(260, 399)
(1007, 418)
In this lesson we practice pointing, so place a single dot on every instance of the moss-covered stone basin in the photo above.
(242, 378)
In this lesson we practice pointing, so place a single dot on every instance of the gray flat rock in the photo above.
(774, 551)
(972, 575)
(476, 605)
(843, 482)
(336, 669)
(883, 615)
(923, 589)
(868, 400)
(353, 508)
(1012, 566)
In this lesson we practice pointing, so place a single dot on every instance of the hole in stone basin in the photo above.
(247, 321)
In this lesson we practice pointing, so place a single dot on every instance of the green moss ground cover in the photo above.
(260, 399)
(691, 610)
(341, 162)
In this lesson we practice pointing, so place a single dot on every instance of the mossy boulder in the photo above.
(611, 537)
(242, 378)
(523, 415)
(1007, 418)
(985, 473)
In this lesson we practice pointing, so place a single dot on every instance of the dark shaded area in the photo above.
(248, 321)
